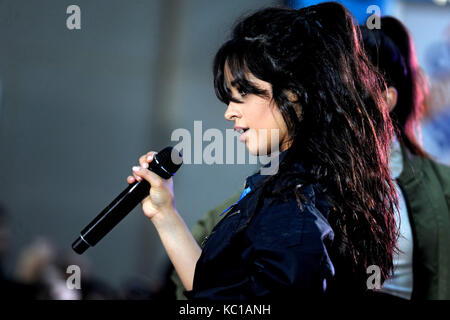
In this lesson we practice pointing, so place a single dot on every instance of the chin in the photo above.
(257, 150)
(252, 151)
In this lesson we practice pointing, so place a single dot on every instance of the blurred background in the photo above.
(78, 108)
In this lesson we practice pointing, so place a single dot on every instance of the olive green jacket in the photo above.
(426, 188)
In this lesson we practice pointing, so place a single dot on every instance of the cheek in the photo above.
(261, 115)
(280, 124)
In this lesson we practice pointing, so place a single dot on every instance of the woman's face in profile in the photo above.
(257, 119)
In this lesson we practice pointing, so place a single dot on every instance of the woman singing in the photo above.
(326, 215)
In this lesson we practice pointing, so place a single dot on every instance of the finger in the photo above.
(151, 177)
(136, 177)
(146, 159)
(131, 179)
(150, 155)
(143, 161)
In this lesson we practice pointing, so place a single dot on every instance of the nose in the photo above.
(232, 112)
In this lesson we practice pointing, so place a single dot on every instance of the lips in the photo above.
(242, 131)
(242, 136)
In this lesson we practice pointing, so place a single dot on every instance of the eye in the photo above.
(242, 92)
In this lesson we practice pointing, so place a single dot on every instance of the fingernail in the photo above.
(149, 158)
(145, 165)
(136, 168)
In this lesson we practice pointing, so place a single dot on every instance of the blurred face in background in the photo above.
(257, 119)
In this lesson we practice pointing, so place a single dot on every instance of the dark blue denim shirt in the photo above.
(281, 254)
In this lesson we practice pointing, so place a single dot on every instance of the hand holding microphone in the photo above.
(161, 196)
(153, 186)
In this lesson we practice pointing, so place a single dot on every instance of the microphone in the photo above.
(165, 163)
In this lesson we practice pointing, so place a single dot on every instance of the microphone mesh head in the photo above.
(170, 158)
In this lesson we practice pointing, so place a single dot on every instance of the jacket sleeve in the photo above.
(443, 229)
(285, 257)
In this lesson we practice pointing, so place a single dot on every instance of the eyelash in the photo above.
(243, 93)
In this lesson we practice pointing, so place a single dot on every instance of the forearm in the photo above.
(179, 244)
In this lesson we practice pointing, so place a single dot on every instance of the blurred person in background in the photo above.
(43, 266)
(422, 265)
(10, 288)
(36, 266)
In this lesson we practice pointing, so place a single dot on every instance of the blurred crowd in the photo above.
(41, 273)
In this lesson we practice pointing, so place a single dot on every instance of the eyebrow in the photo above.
(245, 82)
(233, 83)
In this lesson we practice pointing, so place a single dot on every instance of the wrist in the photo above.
(166, 218)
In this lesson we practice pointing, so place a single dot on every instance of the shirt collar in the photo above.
(255, 180)
(395, 159)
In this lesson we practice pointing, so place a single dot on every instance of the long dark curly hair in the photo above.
(338, 121)
(391, 50)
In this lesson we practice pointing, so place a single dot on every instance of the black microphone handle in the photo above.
(163, 165)
(111, 215)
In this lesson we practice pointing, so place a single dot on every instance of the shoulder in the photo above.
(296, 219)
(426, 170)
(205, 225)
(442, 172)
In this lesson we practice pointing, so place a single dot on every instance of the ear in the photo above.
(391, 98)
(293, 98)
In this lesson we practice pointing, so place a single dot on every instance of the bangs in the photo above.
(236, 55)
